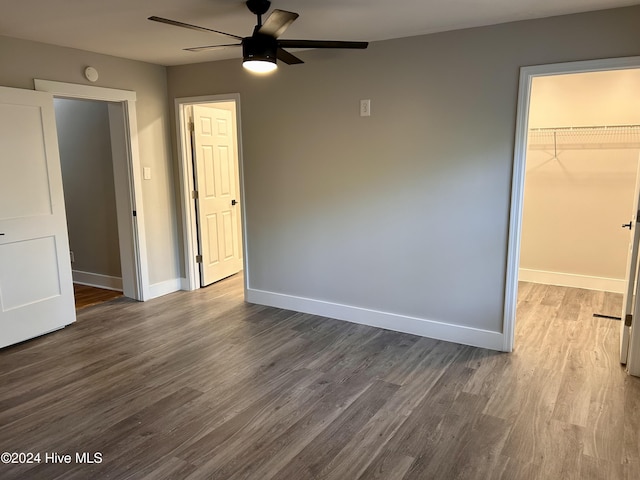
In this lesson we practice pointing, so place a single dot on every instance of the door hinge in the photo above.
(638, 216)
(198, 258)
(191, 126)
(628, 319)
(194, 194)
(135, 214)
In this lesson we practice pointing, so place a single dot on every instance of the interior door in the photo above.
(631, 275)
(36, 288)
(215, 168)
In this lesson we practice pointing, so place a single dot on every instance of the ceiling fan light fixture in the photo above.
(260, 66)
(259, 53)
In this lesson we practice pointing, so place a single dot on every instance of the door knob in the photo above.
(233, 202)
(627, 225)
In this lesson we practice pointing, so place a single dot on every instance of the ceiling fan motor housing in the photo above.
(260, 47)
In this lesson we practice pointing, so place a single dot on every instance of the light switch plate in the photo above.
(365, 108)
(146, 173)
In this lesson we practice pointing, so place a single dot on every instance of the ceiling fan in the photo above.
(261, 50)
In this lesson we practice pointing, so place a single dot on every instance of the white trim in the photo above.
(97, 280)
(87, 92)
(128, 98)
(390, 321)
(517, 184)
(140, 240)
(515, 224)
(163, 288)
(188, 209)
(122, 184)
(192, 275)
(588, 282)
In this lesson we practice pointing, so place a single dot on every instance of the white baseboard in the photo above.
(163, 288)
(97, 280)
(571, 280)
(390, 321)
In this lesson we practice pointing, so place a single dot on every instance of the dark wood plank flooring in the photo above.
(200, 385)
(86, 296)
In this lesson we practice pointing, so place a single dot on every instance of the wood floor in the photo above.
(87, 296)
(200, 385)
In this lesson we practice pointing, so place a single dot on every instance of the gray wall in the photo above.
(22, 61)
(89, 192)
(406, 211)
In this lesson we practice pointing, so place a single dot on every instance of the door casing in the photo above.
(128, 180)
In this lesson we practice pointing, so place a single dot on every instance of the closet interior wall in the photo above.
(582, 161)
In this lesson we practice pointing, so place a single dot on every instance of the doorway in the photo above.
(84, 142)
(580, 176)
(121, 113)
(525, 136)
(210, 151)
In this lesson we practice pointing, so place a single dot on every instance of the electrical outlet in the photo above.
(73, 257)
(365, 108)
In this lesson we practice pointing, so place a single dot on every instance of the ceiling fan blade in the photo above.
(287, 57)
(320, 44)
(192, 27)
(212, 47)
(277, 23)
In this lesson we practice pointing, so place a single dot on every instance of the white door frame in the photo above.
(134, 224)
(517, 186)
(189, 224)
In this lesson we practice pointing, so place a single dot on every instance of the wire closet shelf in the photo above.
(586, 137)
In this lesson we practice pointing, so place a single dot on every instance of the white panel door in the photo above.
(217, 199)
(36, 288)
(631, 283)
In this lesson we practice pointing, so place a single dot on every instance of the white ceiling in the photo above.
(121, 28)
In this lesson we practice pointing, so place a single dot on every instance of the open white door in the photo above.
(631, 333)
(36, 288)
(215, 170)
(631, 275)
